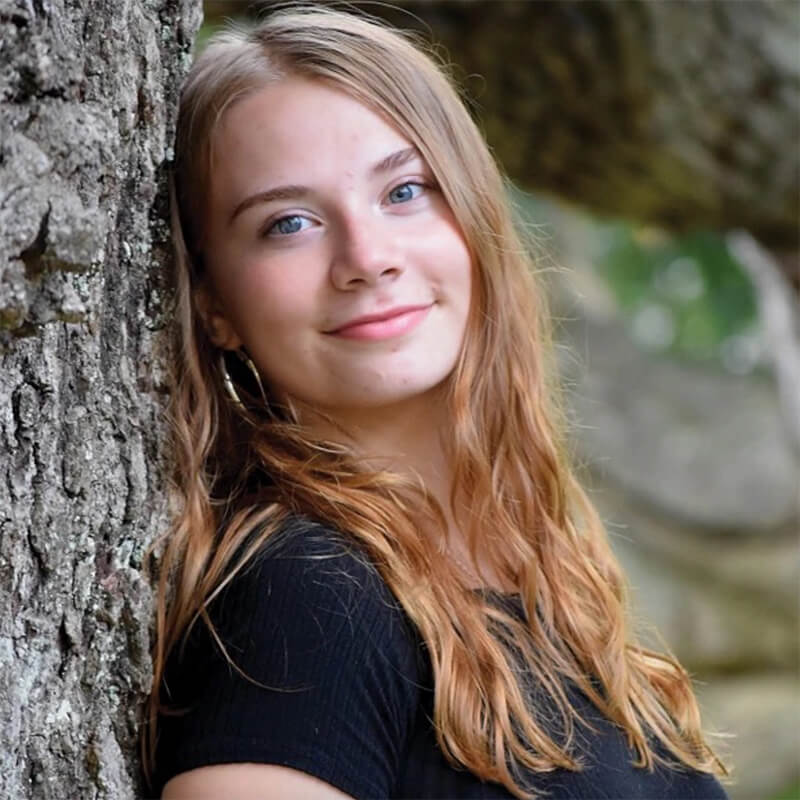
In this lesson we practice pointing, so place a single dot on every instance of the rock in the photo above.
(760, 713)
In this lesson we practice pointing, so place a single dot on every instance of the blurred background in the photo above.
(654, 151)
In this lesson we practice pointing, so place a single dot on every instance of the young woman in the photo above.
(383, 580)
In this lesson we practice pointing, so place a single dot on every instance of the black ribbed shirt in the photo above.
(340, 687)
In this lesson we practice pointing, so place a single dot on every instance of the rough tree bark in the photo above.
(88, 90)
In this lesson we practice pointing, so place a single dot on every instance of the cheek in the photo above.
(460, 274)
(447, 255)
(275, 299)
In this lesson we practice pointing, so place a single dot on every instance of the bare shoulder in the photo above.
(249, 782)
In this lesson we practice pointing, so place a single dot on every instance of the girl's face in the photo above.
(333, 258)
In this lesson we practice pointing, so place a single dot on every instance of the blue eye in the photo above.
(285, 226)
(405, 192)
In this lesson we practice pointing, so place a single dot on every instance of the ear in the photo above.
(217, 325)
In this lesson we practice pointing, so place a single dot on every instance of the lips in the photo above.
(383, 325)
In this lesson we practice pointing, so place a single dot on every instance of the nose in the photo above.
(367, 253)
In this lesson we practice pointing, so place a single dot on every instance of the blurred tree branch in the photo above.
(779, 312)
(679, 114)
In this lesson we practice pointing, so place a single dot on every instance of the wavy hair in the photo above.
(242, 470)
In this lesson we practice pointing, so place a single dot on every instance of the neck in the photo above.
(409, 439)
(406, 438)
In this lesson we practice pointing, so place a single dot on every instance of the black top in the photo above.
(345, 690)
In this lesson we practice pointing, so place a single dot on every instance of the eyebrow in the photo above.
(278, 193)
(296, 192)
(395, 160)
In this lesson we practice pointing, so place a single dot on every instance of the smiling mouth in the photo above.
(387, 325)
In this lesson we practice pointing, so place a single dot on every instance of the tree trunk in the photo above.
(88, 92)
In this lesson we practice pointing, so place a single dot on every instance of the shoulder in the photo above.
(310, 663)
(314, 597)
(317, 555)
(307, 573)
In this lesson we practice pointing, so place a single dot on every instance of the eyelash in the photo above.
(419, 185)
(272, 226)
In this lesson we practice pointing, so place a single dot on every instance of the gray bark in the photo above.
(87, 98)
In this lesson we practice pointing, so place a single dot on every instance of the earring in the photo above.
(248, 362)
(228, 383)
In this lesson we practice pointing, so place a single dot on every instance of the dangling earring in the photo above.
(227, 381)
(248, 362)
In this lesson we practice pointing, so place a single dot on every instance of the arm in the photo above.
(249, 782)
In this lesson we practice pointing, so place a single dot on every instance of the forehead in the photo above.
(299, 126)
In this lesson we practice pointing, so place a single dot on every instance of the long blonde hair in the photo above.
(241, 470)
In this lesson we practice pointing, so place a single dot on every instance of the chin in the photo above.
(410, 392)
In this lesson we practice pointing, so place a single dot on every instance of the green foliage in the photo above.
(679, 295)
(789, 793)
(684, 295)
